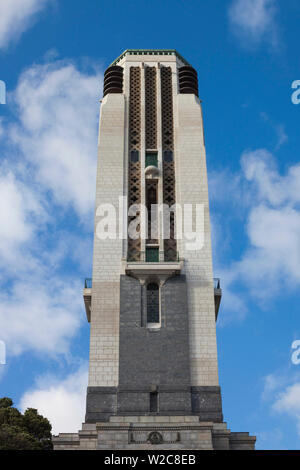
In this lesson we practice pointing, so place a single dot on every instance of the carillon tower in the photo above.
(152, 302)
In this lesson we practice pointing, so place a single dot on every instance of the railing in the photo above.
(217, 284)
(158, 257)
(88, 283)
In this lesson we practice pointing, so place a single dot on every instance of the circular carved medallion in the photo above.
(155, 438)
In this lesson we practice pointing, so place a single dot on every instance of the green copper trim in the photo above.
(149, 52)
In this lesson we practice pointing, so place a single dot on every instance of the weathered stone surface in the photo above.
(151, 433)
(172, 365)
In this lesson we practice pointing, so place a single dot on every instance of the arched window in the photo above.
(152, 303)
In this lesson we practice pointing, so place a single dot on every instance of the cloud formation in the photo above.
(270, 205)
(19, 210)
(57, 108)
(44, 315)
(282, 392)
(47, 176)
(254, 21)
(16, 16)
(279, 129)
(288, 401)
(62, 402)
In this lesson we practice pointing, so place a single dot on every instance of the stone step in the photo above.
(154, 419)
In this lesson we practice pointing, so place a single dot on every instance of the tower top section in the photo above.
(150, 52)
(116, 76)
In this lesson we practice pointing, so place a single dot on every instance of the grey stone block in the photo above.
(101, 402)
(207, 403)
(159, 361)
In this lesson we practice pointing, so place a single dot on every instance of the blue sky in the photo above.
(52, 57)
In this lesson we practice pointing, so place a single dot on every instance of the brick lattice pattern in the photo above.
(134, 170)
(151, 108)
(168, 167)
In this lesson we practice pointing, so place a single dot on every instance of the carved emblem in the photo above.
(155, 438)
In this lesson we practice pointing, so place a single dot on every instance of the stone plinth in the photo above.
(154, 433)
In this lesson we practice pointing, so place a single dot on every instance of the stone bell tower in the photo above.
(152, 302)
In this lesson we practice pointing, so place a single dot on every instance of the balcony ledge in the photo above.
(144, 270)
(87, 297)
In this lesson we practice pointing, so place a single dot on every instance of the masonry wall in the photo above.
(128, 360)
(154, 360)
(191, 188)
(107, 255)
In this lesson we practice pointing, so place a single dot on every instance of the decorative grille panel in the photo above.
(150, 108)
(134, 171)
(169, 198)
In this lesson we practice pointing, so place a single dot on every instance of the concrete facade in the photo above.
(107, 254)
(152, 385)
(155, 433)
(191, 188)
(191, 178)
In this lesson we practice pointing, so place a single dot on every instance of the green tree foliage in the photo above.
(28, 431)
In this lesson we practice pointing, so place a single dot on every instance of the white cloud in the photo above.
(282, 136)
(57, 108)
(272, 383)
(13, 227)
(254, 21)
(220, 193)
(62, 402)
(282, 392)
(288, 402)
(275, 234)
(16, 16)
(43, 315)
(3, 370)
(47, 175)
(1, 126)
(271, 256)
(19, 211)
(48, 167)
(232, 303)
(259, 167)
(279, 129)
(273, 224)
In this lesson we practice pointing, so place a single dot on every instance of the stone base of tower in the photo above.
(154, 433)
(103, 402)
